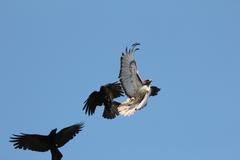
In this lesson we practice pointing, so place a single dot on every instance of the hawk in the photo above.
(43, 143)
(137, 90)
(105, 97)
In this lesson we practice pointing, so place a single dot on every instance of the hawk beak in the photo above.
(148, 82)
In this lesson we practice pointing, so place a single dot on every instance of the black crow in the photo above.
(43, 143)
(105, 97)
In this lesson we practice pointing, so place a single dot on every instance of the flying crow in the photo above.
(105, 97)
(43, 143)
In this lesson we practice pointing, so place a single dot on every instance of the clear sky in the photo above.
(53, 54)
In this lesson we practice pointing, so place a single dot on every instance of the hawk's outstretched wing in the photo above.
(66, 134)
(128, 75)
(138, 91)
(32, 142)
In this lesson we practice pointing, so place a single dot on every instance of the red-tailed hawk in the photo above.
(43, 143)
(137, 90)
(105, 97)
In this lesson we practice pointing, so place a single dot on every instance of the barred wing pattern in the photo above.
(128, 75)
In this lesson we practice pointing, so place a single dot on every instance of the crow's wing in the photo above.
(32, 142)
(128, 75)
(66, 134)
(154, 90)
(95, 99)
(114, 90)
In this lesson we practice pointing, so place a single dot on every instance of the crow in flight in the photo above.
(105, 97)
(137, 90)
(43, 143)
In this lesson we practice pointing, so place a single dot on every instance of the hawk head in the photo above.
(147, 82)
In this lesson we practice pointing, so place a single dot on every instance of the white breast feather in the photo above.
(130, 106)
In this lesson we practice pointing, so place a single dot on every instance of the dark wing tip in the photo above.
(134, 49)
(135, 44)
(81, 126)
(15, 138)
(77, 128)
(93, 100)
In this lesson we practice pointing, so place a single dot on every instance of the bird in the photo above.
(44, 143)
(105, 96)
(136, 89)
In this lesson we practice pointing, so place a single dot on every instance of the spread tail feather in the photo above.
(56, 154)
(111, 112)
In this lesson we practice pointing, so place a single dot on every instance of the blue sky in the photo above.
(53, 54)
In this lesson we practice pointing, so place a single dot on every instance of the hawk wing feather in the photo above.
(128, 75)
